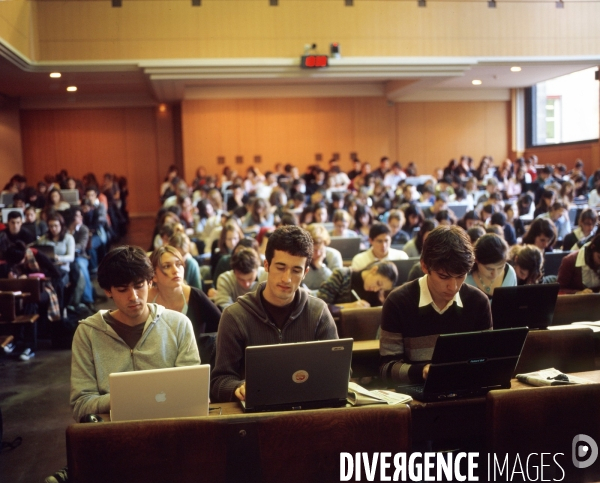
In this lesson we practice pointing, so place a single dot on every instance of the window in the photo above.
(564, 109)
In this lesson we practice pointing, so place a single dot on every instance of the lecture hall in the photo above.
(306, 169)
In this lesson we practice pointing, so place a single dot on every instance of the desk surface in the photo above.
(461, 418)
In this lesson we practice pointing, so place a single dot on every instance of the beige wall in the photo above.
(159, 29)
(16, 17)
(294, 130)
(11, 156)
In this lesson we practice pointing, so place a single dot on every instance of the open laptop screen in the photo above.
(297, 376)
(524, 306)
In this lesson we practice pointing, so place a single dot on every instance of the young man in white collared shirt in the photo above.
(380, 237)
(438, 303)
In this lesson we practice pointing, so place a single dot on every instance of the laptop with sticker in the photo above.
(174, 392)
(304, 375)
(470, 364)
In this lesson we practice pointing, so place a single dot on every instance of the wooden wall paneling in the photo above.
(88, 30)
(247, 144)
(410, 125)
(16, 25)
(39, 144)
(11, 152)
(166, 139)
(430, 134)
(121, 141)
(568, 154)
(141, 159)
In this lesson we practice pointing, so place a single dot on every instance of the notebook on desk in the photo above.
(470, 364)
(305, 375)
(524, 306)
(175, 392)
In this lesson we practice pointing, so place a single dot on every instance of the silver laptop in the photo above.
(6, 211)
(305, 375)
(71, 196)
(175, 392)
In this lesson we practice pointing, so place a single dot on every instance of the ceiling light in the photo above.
(55, 75)
(476, 82)
(71, 88)
(516, 68)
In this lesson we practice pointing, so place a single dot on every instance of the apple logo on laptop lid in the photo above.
(160, 397)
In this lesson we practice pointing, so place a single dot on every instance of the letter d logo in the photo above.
(589, 449)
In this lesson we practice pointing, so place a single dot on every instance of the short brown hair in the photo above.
(245, 260)
(448, 248)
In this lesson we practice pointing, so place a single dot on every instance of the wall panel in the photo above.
(162, 29)
(568, 154)
(11, 155)
(121, 141)
(430, 134)
(284, 130)
(16, 18)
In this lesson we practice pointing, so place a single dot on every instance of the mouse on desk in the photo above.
(91, 418)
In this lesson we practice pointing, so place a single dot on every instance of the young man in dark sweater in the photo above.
(438, 303)
(277, 312)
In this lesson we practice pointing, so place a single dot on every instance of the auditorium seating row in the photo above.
(305, 446)
(570, 348)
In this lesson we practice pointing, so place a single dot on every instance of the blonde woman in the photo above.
(170, 290)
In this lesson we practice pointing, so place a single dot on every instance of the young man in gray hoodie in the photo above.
(277, 312)
(136, 336)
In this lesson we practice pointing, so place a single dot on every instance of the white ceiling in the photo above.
(399, 79)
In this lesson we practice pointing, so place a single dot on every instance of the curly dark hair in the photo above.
(124, 265)
(290, 239)
(448, 249)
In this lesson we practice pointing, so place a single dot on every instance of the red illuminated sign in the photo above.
(314, 61)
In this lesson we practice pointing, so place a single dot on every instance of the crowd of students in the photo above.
(392, 210)
(79, 234)
(260, 238)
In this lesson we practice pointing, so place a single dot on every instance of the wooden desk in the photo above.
(461, 418)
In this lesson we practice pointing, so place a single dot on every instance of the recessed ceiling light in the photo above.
(55, 75)
(516, 68)
(476, 82)
(72, 88)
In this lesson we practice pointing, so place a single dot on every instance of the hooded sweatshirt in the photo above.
(246, 323)
(167, 341)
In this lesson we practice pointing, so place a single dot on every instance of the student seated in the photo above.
(528, 262)
(585, 229)
(278, 311)
(136, 336)
(541, 233)
(380, 239)
(490, 270)
(440, 302)
(369, 284)
(415, 245)
(244, 276)
(170, 290)
(324, 260)
(580, 270)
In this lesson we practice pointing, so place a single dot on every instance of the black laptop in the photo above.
(524, 306)
(470, 364)
(304, 375)
(347, 246)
